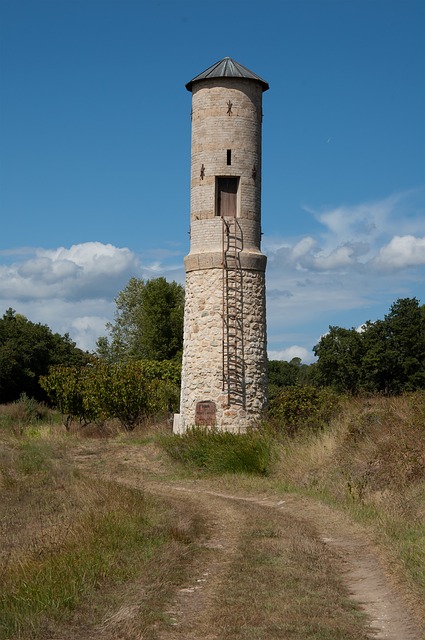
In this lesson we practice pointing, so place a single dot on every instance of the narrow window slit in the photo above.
(229, 156)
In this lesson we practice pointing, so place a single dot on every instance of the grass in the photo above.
(220, 452)
(371, 463)
(283, 584)
(72, 549)
(66, 540)
(110, 545)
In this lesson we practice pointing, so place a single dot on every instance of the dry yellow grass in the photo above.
(66, 537)
(371, 462)
(204, 561)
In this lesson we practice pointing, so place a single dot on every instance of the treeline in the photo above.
(386, 356)
(27, 351)
(382, 357)
(135, 370)
(134, 373)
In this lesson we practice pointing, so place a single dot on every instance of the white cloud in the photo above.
(292, 352)
(343, 256)
(87, 329)
(367, 234)
(401, 252)
(304, 247)
(374, 220)
(88, 270)
(72, 289)
(358, 263)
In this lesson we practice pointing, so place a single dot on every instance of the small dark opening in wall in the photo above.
(229, 156)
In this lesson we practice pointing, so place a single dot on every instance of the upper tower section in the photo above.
(225, 157)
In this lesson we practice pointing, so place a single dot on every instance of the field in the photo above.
(104, 535)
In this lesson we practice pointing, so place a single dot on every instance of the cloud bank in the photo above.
(361, 259)
(72, 290)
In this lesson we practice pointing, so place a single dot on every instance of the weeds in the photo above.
(371, 462)
(221, 451)
(282, 584)
(65, 539)
(20, 416)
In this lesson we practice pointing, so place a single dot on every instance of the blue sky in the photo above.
(95, 154)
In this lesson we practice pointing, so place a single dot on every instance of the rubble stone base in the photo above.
(202, 374)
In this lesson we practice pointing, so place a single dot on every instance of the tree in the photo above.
(395, 349)
(148, 322)
(387, 356)
(27, 350)
(340, 354)
(282, 373)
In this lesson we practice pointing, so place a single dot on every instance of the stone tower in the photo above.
(224, 380)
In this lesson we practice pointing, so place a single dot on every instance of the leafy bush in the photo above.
(221, 451)
(298, 408)
(66, 388)
(128, 391)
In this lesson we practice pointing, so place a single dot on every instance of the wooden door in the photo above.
(227, 189)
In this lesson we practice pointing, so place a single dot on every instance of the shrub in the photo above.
(130, 391)
(22, 414)
(299, 408)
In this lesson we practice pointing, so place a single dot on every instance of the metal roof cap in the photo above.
(227, 68)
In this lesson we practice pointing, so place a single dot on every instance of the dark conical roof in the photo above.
(227, 68)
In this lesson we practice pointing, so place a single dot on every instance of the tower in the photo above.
(224, 355)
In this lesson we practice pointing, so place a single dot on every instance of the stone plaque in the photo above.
(205, 414)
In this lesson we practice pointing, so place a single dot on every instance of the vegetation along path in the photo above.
(269, 566)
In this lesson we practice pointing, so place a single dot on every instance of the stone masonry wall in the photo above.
(202, 376)
(226, 142)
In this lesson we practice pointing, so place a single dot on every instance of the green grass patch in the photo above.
(219, 452)
(109, 545)
(34, 457)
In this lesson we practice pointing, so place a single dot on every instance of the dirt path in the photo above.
(195, 605)
(364, 575)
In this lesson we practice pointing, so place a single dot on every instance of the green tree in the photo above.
(148, 322)
(387, 356)
(394, 358)
(282, 373)
(27, 350)
(340, 355)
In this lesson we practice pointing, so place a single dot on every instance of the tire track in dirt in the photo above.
(364, 575)
(363, 570)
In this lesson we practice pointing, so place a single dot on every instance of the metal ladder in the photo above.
(233, 339)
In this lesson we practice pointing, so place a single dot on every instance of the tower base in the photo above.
(214, 394)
